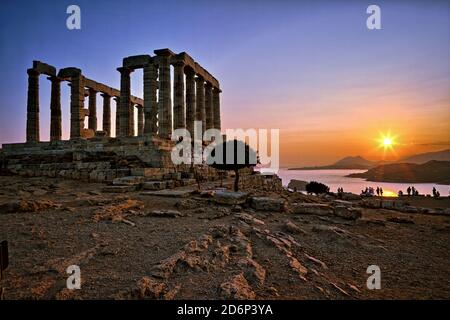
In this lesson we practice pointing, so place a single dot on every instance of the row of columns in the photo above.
(193, 99)
(78, 94)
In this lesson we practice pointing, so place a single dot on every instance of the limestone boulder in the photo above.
(298, 185)
(230, 197)
(119, 189)
(348, 196)
(371, 203)
(390, 204)
(268, 204)
(291, 227)
(410, 209)
(154, 185)
(320, 209)
(237, 288)
(128, 181)
(342, 203)
(346, 212)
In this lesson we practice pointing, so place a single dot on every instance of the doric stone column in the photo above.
(140, 120)
(106, 114)
(209, 111)
(190, 100)
(76, 106)
(131, 119)
(164, 101)
(216, 107)
(179, 120)
(124, 110)
(92, 123)
(117, 115)
(200, 99)
(150, 99)
(33, 106)
(55, 109)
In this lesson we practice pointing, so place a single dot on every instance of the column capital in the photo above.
(92, 91)
(164, 52)
(199, 79)
(124, 70)
(189, 71)
(105, 95)
(208, 85)
(55, 79)
(179, 64)
(33, 72)
(217, 90)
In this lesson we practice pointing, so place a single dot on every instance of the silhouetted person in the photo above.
(434, 191)
(381, 191)
(378, 191)
(400, 193)
(409, 191)
(413, 191)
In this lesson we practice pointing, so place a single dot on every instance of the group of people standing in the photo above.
(370, 191)
(411, 191)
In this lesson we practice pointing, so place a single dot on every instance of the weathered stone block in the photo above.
(169, 193)
(187, 182)
(119, 189)
(229, 197)
(347, 212)
(268, 204)
(350, 196)
(154, 185)
(170, 184)
(371, 203)
(312, 208)
(130, 180)
(297, 185)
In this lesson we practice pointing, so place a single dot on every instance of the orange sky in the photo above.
(311, 69)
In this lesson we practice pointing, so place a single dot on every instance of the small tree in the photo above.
(243, 157)
(317, 188)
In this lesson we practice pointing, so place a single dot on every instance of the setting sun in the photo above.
(387, 141)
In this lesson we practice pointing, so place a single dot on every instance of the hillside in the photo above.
(429, 172)
(443, 155)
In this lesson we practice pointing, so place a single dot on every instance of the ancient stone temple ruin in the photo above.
(92, 153)
(126, 159)
(196, 98)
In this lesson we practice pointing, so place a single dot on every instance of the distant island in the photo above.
(429, 172)
(358, 162)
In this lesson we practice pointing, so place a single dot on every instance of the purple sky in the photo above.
(309, 68)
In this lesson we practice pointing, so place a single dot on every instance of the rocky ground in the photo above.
(188, 245)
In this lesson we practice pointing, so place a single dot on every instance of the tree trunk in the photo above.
(236, 180)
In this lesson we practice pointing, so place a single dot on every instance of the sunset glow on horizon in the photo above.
(312, 70)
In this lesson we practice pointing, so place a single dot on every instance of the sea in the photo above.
(337, 178)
